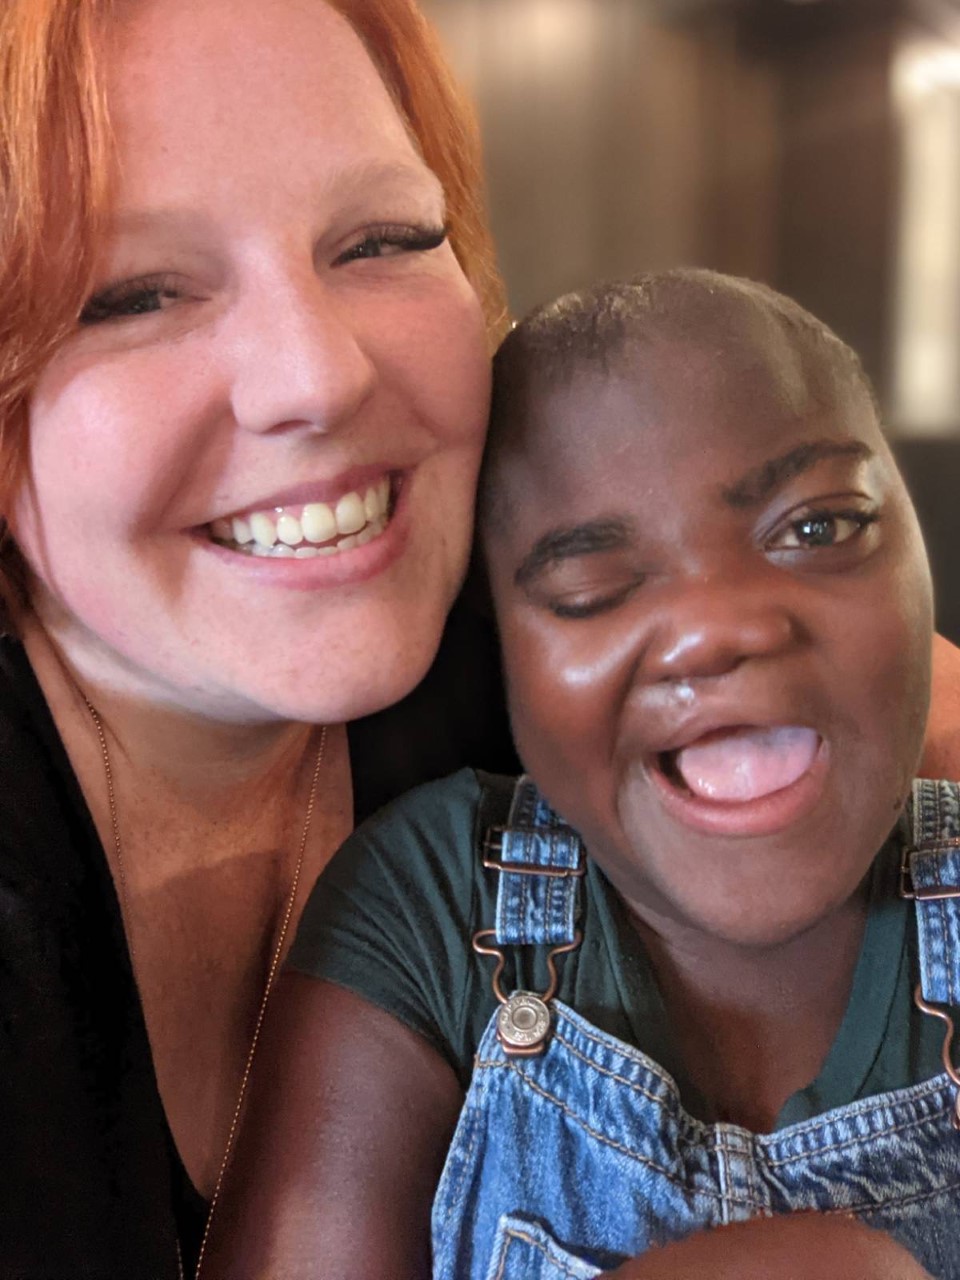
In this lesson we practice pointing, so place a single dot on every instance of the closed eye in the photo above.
(585, 586)
(589, 605)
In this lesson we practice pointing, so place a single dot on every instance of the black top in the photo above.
(91, 1186)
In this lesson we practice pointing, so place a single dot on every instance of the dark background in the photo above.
(813, 144)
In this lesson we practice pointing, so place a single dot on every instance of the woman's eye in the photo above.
(132, 298)
(589, 604)
(817, 529)
(388, 242)
(583, 608)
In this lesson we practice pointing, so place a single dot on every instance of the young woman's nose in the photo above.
(297, 358)
(710, 628)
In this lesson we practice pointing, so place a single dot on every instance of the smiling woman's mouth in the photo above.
(742, 764)
(310, 529)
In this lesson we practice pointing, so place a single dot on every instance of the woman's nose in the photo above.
(708, 629)
(297, 359)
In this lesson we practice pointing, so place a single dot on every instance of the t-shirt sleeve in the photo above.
(390, 917)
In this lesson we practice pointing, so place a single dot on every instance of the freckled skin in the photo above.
(248, 169)
(705, 621)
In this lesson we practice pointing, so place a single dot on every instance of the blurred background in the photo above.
(812, 144)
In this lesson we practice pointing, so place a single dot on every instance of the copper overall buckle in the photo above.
(523, 1022)
(934, 893)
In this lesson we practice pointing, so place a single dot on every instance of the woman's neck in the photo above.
(755, 1024)
(202, 761)
(212, 820)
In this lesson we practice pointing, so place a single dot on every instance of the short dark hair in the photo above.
(599, 326)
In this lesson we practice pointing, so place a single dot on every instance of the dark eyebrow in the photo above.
(765, 479)
(574, 540)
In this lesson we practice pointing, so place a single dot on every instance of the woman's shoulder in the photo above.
(392, 915)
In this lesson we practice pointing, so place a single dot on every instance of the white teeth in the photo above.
(349, 513)
(318, 522)
(356, 519)
(371, 504)
(289, 530)
(263, 530)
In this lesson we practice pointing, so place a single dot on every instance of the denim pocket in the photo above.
(523, 1250)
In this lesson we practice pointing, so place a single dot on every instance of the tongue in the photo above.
(744, 764)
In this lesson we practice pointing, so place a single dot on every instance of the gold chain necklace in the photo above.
(274, 962)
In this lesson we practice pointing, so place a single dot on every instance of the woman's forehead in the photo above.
(292, 87)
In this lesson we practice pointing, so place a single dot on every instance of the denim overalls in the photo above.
(573, 1152)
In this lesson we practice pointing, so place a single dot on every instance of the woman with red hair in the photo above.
(247, 296)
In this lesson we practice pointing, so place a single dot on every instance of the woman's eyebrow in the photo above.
(573, 540)
(395, 176)
(758, 483)
(389, 179)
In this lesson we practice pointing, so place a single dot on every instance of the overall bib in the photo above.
(573, 1153)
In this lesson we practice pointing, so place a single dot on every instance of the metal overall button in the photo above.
(523, 1022)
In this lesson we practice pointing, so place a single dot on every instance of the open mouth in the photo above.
(310, 529)
(741, 764)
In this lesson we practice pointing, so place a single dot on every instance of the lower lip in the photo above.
(316, 573)
(765, 816)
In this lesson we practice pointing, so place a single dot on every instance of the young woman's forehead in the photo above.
(670, 400)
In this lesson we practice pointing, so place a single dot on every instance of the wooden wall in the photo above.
(758, 139)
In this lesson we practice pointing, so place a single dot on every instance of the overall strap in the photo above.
(931, 876)
(540, 861)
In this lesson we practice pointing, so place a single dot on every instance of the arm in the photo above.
(347, 1125)
(941, 753)
(799, 1247)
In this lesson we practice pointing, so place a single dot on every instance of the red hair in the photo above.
(56, 162)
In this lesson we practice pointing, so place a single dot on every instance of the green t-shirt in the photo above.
(393, 915)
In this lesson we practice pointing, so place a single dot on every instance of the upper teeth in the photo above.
(361, 514)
